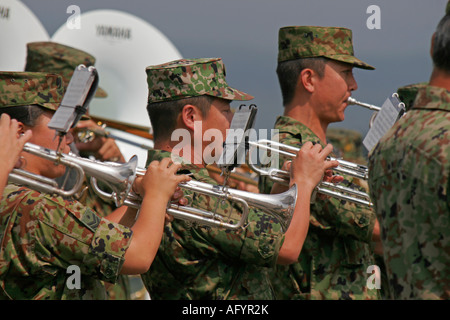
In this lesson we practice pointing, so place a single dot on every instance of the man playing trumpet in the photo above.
(43, 234)
(198, 262)
(315, 71)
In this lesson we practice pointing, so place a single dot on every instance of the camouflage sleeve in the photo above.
(259, 243)
(68, 233)
(343, 218)
(332, 215)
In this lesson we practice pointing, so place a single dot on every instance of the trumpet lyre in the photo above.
(326, 188)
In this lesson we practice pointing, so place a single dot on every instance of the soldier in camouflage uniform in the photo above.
(410, 186)
(10, 147)
(315, 74)
(199, 262)
(57, 58)
(43, 234)
(52, 57)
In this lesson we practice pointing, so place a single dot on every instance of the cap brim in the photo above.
(351, 60)
(229, 93)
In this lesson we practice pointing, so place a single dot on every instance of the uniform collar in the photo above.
(434, 98)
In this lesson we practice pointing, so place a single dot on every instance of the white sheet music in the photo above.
(384, 120)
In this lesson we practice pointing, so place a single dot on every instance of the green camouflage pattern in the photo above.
(42, 235)
(337, 250)
(207, 263)
(407, 94)
(347, 144)
(186, 78)
(52, 57)
(25, 88)
(296, 42)
(447, 8)
(409, 184)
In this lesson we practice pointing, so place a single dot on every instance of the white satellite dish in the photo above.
(123, 46)
(18, 26)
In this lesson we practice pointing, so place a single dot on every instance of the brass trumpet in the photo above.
(120, 178)
(326, 188)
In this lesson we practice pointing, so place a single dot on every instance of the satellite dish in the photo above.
(18, 26)
(123, 46)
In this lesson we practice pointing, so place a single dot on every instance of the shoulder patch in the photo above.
(90, 219)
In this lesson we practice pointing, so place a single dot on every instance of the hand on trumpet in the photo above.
(161, 182)
(104, 148)
(309, 167)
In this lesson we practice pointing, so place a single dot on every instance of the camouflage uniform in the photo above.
(198, 262)
(409, 181)
(52, 57)
(41, 235)
(407, 94)
(337, 250)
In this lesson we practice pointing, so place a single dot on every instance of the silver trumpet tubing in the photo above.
(352, 101)
(119, 177)
(325, 188)
(281, 206)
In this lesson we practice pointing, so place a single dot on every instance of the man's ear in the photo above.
(307, 79)
(190, 114)
(21, 129)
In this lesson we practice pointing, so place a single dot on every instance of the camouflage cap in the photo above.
(186, 78)
(47, 56)
(309, 41)
(26, 88)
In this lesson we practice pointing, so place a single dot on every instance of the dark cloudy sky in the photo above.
(244, 33)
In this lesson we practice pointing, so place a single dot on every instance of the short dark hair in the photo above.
(163, 115)
(441, 47)
(28, 115)
(289, 71)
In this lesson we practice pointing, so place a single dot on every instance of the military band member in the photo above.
(410, 186)
(53, 57)
(43, 234)
(197, 262)
(315, 72)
